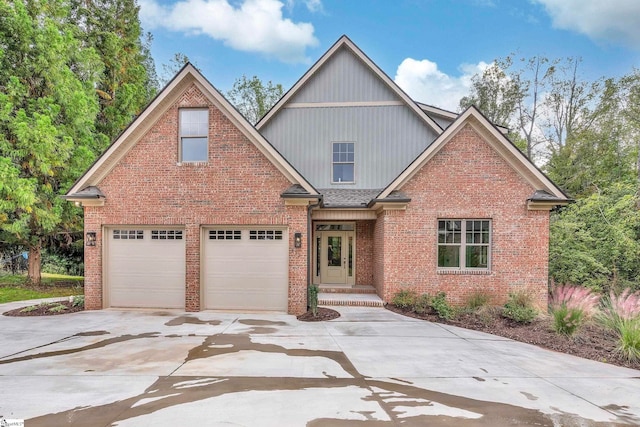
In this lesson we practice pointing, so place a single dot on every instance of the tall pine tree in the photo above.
(128, 82)
(47, 112)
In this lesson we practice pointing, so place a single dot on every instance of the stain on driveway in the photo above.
(318, 399)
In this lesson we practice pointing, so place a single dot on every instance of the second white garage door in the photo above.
(246, 268)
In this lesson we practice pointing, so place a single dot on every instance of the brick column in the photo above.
(192, 274)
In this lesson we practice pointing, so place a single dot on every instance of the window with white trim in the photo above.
(194, 135)
(464, 244)
(343, 162)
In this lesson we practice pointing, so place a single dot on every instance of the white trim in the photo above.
(333, 163)
(181, 138)
(86, 202)
(154, 111)
(437, 111)
(344, 41)
(343, 214)
(511, 154)
(343, 104)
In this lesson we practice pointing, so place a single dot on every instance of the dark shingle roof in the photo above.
(297, 190)
(543, 196)
(87, 193)
(344, 197)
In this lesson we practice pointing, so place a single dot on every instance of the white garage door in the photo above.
(145, 267)
(246, 268)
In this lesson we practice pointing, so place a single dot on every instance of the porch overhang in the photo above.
(89, 196)
(544, 201)
(343, 214)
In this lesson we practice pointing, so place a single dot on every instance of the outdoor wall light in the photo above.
(91, 238)
(297, 240)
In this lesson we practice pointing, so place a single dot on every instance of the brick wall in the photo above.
(237, 186)
(364, 252)
(467, 179)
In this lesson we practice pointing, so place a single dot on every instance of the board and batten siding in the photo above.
(387, 139)
(344, 78)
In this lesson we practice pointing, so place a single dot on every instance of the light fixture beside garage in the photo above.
(297, 240)
(91, 238)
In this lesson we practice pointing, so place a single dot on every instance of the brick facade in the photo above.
(237, 186)
(364, 252)
(466, 179)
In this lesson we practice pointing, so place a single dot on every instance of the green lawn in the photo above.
(15, 288)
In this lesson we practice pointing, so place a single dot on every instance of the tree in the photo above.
(47, 112)
(175, 64)
(595, 242)
(127, 82)
(253, 98)
(569, 104)
(540, 70)
(496, 93)
(602, 150)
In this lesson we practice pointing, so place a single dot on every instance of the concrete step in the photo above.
(351, 299)
(347, 289)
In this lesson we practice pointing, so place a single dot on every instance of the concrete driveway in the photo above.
(370, 367)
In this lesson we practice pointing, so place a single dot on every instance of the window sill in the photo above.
(203, 163)
(463, 272)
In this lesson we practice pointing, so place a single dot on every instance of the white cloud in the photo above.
(252, 26)
(314, 5)
(424, 82)
(614, 21)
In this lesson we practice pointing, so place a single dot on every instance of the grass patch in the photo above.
(14, 287)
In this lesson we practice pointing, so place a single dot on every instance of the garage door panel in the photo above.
(146, 269)
(246, 273)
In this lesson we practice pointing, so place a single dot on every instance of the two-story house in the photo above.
(347, 181)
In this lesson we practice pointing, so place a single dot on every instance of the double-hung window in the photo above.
(342, 162)
(464, 244)
(194, 135)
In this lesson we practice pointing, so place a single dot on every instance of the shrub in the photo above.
(58, 308)
(441, 306)
(422, 304)
(570, 306)
(29, 309)
(77, 301)
(404, 299)
(313, 299)
(622, 315)
(519, 307)
(477, 299)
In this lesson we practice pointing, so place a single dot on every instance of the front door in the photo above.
(335, 257)
(334, 260)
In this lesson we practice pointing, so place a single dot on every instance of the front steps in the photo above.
(360, 296)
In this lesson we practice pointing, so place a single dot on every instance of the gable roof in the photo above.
(490, 133)
(345, 43)
(166, 98)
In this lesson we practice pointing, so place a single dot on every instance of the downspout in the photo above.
(310, 245)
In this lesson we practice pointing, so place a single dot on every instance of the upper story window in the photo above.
(343, 162)
(194, 135)
(464, 243)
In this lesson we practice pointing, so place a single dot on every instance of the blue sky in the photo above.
(429, 47)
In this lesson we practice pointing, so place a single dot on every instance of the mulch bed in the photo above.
(590, 342)
(44, 309)
(323, 314)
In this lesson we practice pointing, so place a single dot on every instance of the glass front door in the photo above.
(334, 260)
(335, 257)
